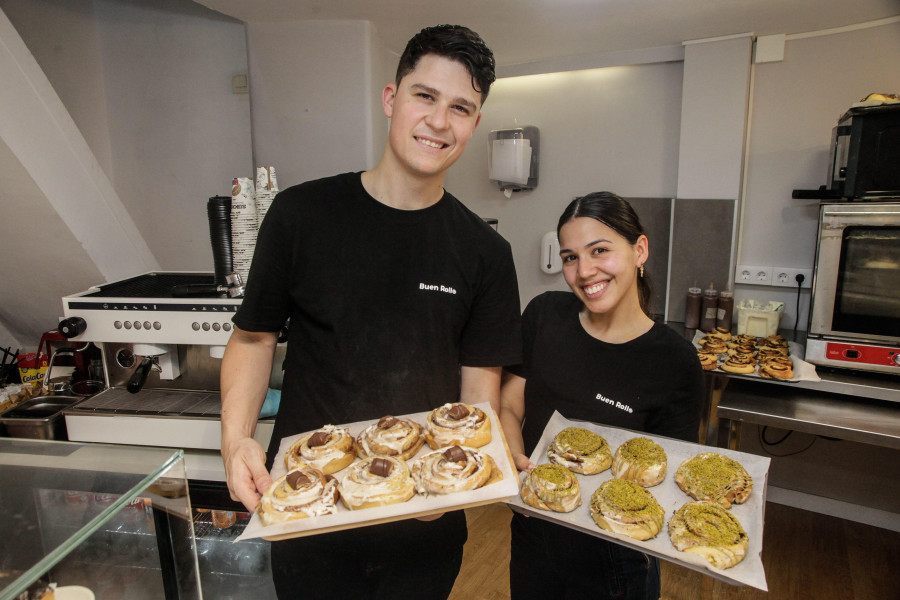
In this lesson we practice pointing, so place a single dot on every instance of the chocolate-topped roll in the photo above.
(454, 469)
(390, 436)
(457, 424)
(376, 481)
(298, 494)
(328, 449)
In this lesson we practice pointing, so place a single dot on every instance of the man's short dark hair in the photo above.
(456, 43)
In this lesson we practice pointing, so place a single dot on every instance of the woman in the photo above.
(595, 355)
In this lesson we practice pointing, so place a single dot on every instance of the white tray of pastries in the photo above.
(357, 474)
(652, 529)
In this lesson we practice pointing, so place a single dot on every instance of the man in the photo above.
(400, 299)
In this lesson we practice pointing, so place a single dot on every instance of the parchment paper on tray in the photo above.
(417, 506)
(751, 514)
(803, 371)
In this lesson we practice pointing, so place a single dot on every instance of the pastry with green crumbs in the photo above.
(641, 460)
(622, 506)
(580, 450)
(708, 530)
(551, 487)
(716, 478)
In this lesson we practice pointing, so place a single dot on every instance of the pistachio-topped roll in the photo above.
(580, 450)
(551, 487)
(641, 460)
(708, 530)
(716, 478)
(623, 506)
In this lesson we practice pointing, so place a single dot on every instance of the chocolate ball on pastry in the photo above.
(622, 506)
(298, 494)
(390, 436)
(708, 530)
(640, 460)
(580, 450)
(715, 478)
(457, 424)
(454, 469)
(376, 481)
(328, 449)
(551, 487)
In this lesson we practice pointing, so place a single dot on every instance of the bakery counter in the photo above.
(114, 520)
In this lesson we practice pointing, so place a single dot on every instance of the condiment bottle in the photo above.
(708, 308)
(692, 308)
(725, 310)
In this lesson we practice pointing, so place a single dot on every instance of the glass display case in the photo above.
(114, 519)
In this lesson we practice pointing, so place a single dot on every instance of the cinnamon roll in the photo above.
(641, 460)
(736, 366)
(714, 344)
(580, 450)
(776, 370)
(300, 493)
(622, 506)
(457, 424)
(708, 530)
(551, 487)
(390, 436)
(376, 481)
(715, 478)
(708, 360)
(721, 333)
(328, 449)
(454, 469)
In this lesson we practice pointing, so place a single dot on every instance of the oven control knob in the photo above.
(72, 326)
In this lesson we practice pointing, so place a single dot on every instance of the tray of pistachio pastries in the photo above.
(342, 476)
(698, 506)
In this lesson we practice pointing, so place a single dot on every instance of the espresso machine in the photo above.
(162, 337)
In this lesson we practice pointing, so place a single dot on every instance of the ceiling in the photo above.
(522, 31)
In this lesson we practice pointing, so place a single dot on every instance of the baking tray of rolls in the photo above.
(748, 356)
(749, 514)
(378, 486)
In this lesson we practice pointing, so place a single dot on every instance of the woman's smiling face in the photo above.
(599, 264)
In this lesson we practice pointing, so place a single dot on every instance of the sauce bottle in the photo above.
(708, 308)
(725, 310)
(692, 308)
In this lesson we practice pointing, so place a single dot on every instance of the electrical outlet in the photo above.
(787, 277)
(753, 275)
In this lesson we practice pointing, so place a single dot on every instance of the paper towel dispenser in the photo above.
(513, 158)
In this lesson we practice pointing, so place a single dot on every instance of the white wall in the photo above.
(614, 128)
(316, 101)
(142, 104)
(795, 104)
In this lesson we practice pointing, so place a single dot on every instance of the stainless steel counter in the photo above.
(850, 405)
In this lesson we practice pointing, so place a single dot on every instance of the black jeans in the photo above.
(552, 561)
(405, 559)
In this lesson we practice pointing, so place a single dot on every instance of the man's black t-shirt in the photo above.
(653, 383)
(384, 304)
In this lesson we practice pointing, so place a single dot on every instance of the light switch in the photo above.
(550, 259)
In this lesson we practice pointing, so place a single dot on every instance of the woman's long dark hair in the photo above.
(617, 214)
